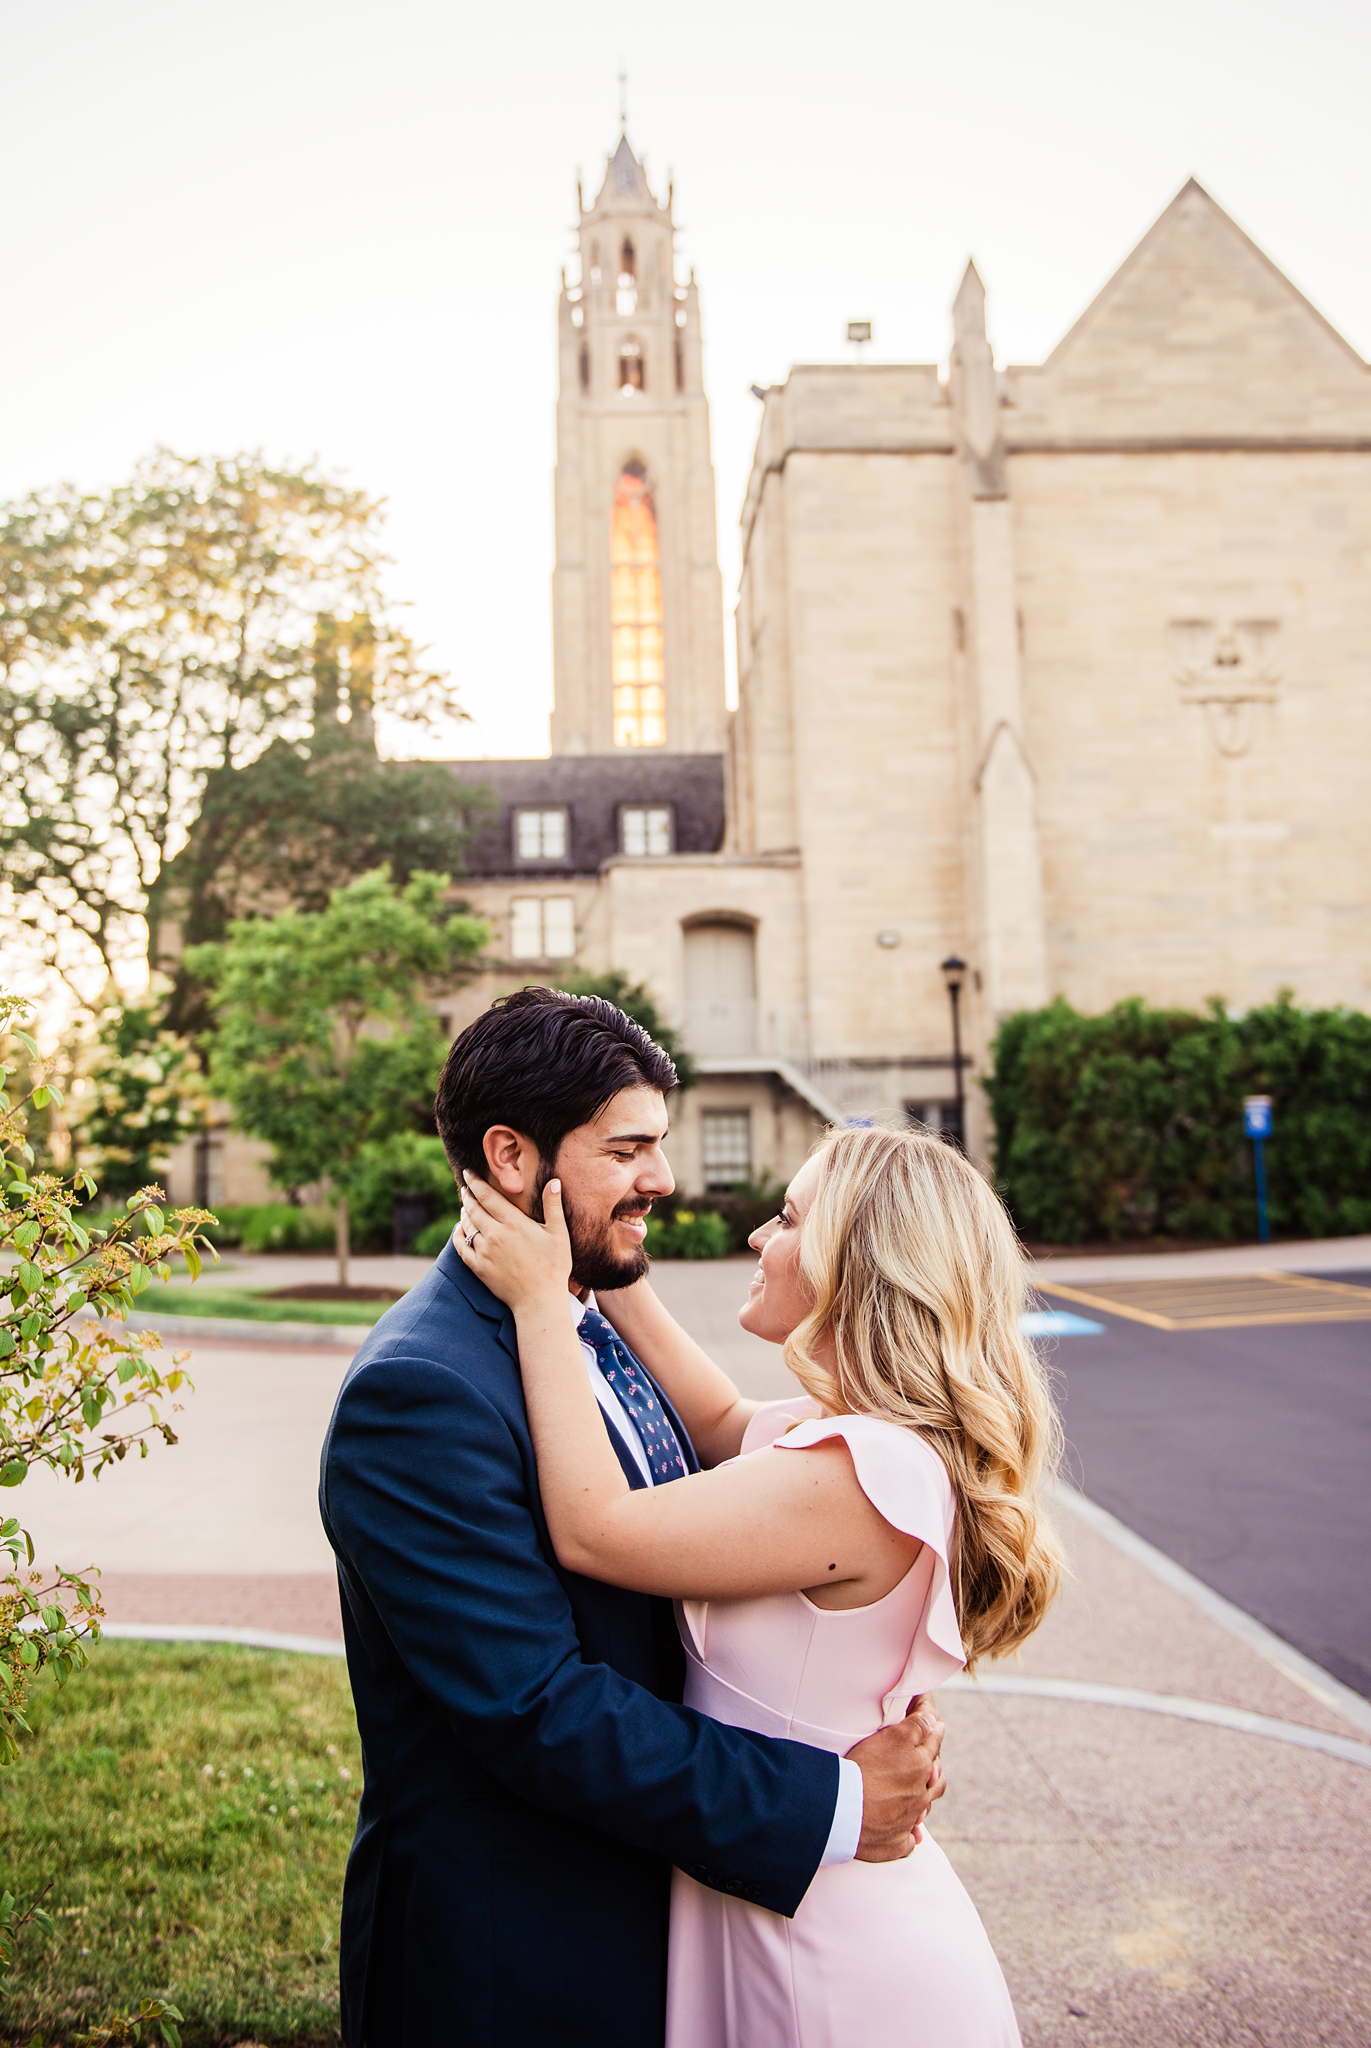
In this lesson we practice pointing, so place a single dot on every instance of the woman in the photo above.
(900, 1537)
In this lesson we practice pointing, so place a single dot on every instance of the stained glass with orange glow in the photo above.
(637, 660)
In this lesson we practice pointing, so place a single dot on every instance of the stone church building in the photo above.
(1064, 668)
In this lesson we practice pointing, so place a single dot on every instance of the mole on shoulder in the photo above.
(833, 1567)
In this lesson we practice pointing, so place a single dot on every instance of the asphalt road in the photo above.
(1246, 1456)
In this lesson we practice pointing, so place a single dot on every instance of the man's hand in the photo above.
(901, 1778)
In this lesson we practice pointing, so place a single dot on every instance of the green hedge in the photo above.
(433, 1237)
(408, 1165)
(1130, 1124)
(274, 1227)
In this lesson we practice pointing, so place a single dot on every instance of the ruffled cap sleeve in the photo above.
(906, 1482)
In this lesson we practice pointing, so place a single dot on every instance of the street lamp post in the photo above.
(954, 973)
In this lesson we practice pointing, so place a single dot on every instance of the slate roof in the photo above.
(592, 787)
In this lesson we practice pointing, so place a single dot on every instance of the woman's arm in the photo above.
(713, 1411)
(762, 1524)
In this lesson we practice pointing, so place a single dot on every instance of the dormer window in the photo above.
(645, 830)
(540, 835)
(631, 378)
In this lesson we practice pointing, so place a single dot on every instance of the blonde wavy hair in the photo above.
(917, 1283)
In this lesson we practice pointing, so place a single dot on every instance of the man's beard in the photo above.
(594, 1261)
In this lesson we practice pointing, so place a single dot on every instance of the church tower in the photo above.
(637, 604)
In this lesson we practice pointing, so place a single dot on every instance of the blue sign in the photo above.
(1256, 1116)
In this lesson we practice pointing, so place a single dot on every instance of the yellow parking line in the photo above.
(1349, 1305)
(1134, 1315)
(1309, 1280)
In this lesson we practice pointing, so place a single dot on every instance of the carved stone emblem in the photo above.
(1226, 667)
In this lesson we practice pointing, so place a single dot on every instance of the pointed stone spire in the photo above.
(975, 395)
(625, 188)
(968, 308)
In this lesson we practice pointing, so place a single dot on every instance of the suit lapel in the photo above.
(479, 1297)
(488, 1305)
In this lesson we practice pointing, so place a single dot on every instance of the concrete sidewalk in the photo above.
(1145, 1879)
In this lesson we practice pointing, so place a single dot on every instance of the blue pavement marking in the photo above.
(1058, 1322)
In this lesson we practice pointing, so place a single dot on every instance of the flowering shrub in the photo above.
(145, 1090)
(688, 1234)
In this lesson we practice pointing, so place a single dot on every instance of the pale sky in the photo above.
(321, 228)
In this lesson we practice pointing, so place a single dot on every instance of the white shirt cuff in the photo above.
(846, 1831)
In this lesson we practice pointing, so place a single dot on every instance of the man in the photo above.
(530, 1775)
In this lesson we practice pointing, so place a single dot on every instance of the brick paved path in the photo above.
(288, 1603)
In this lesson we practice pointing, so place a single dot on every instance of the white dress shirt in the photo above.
(846, 1830)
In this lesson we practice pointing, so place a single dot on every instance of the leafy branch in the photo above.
(78, 1390)
(129, 2026)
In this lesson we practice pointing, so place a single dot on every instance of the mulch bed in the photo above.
(322, 1290)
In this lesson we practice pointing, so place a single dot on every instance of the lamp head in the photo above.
(954, 973)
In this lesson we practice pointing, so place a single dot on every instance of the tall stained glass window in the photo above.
(637, 664)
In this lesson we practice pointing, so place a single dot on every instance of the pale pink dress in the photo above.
(879, 1955)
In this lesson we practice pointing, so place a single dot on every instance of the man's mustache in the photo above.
(634, 1206)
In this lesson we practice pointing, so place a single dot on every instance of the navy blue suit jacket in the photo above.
(529, 1772)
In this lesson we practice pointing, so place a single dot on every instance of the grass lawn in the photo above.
(194, 1806)
(200, 1300)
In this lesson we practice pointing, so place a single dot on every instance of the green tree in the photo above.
(78, 1392)
(303, 819)
(636, 1001)
(324, 1044)
(158, 634)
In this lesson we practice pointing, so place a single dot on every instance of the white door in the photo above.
(721, 989)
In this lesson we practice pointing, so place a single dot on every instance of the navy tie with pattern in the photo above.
(637, 1397)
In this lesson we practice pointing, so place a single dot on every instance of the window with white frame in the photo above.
(540, 834)
(645, 829)
(725, 1147)
(542, 928)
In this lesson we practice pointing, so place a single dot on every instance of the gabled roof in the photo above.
(1197, 334)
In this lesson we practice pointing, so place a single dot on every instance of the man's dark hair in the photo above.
(544, 1063)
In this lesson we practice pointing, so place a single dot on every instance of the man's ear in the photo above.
(511, 1163)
